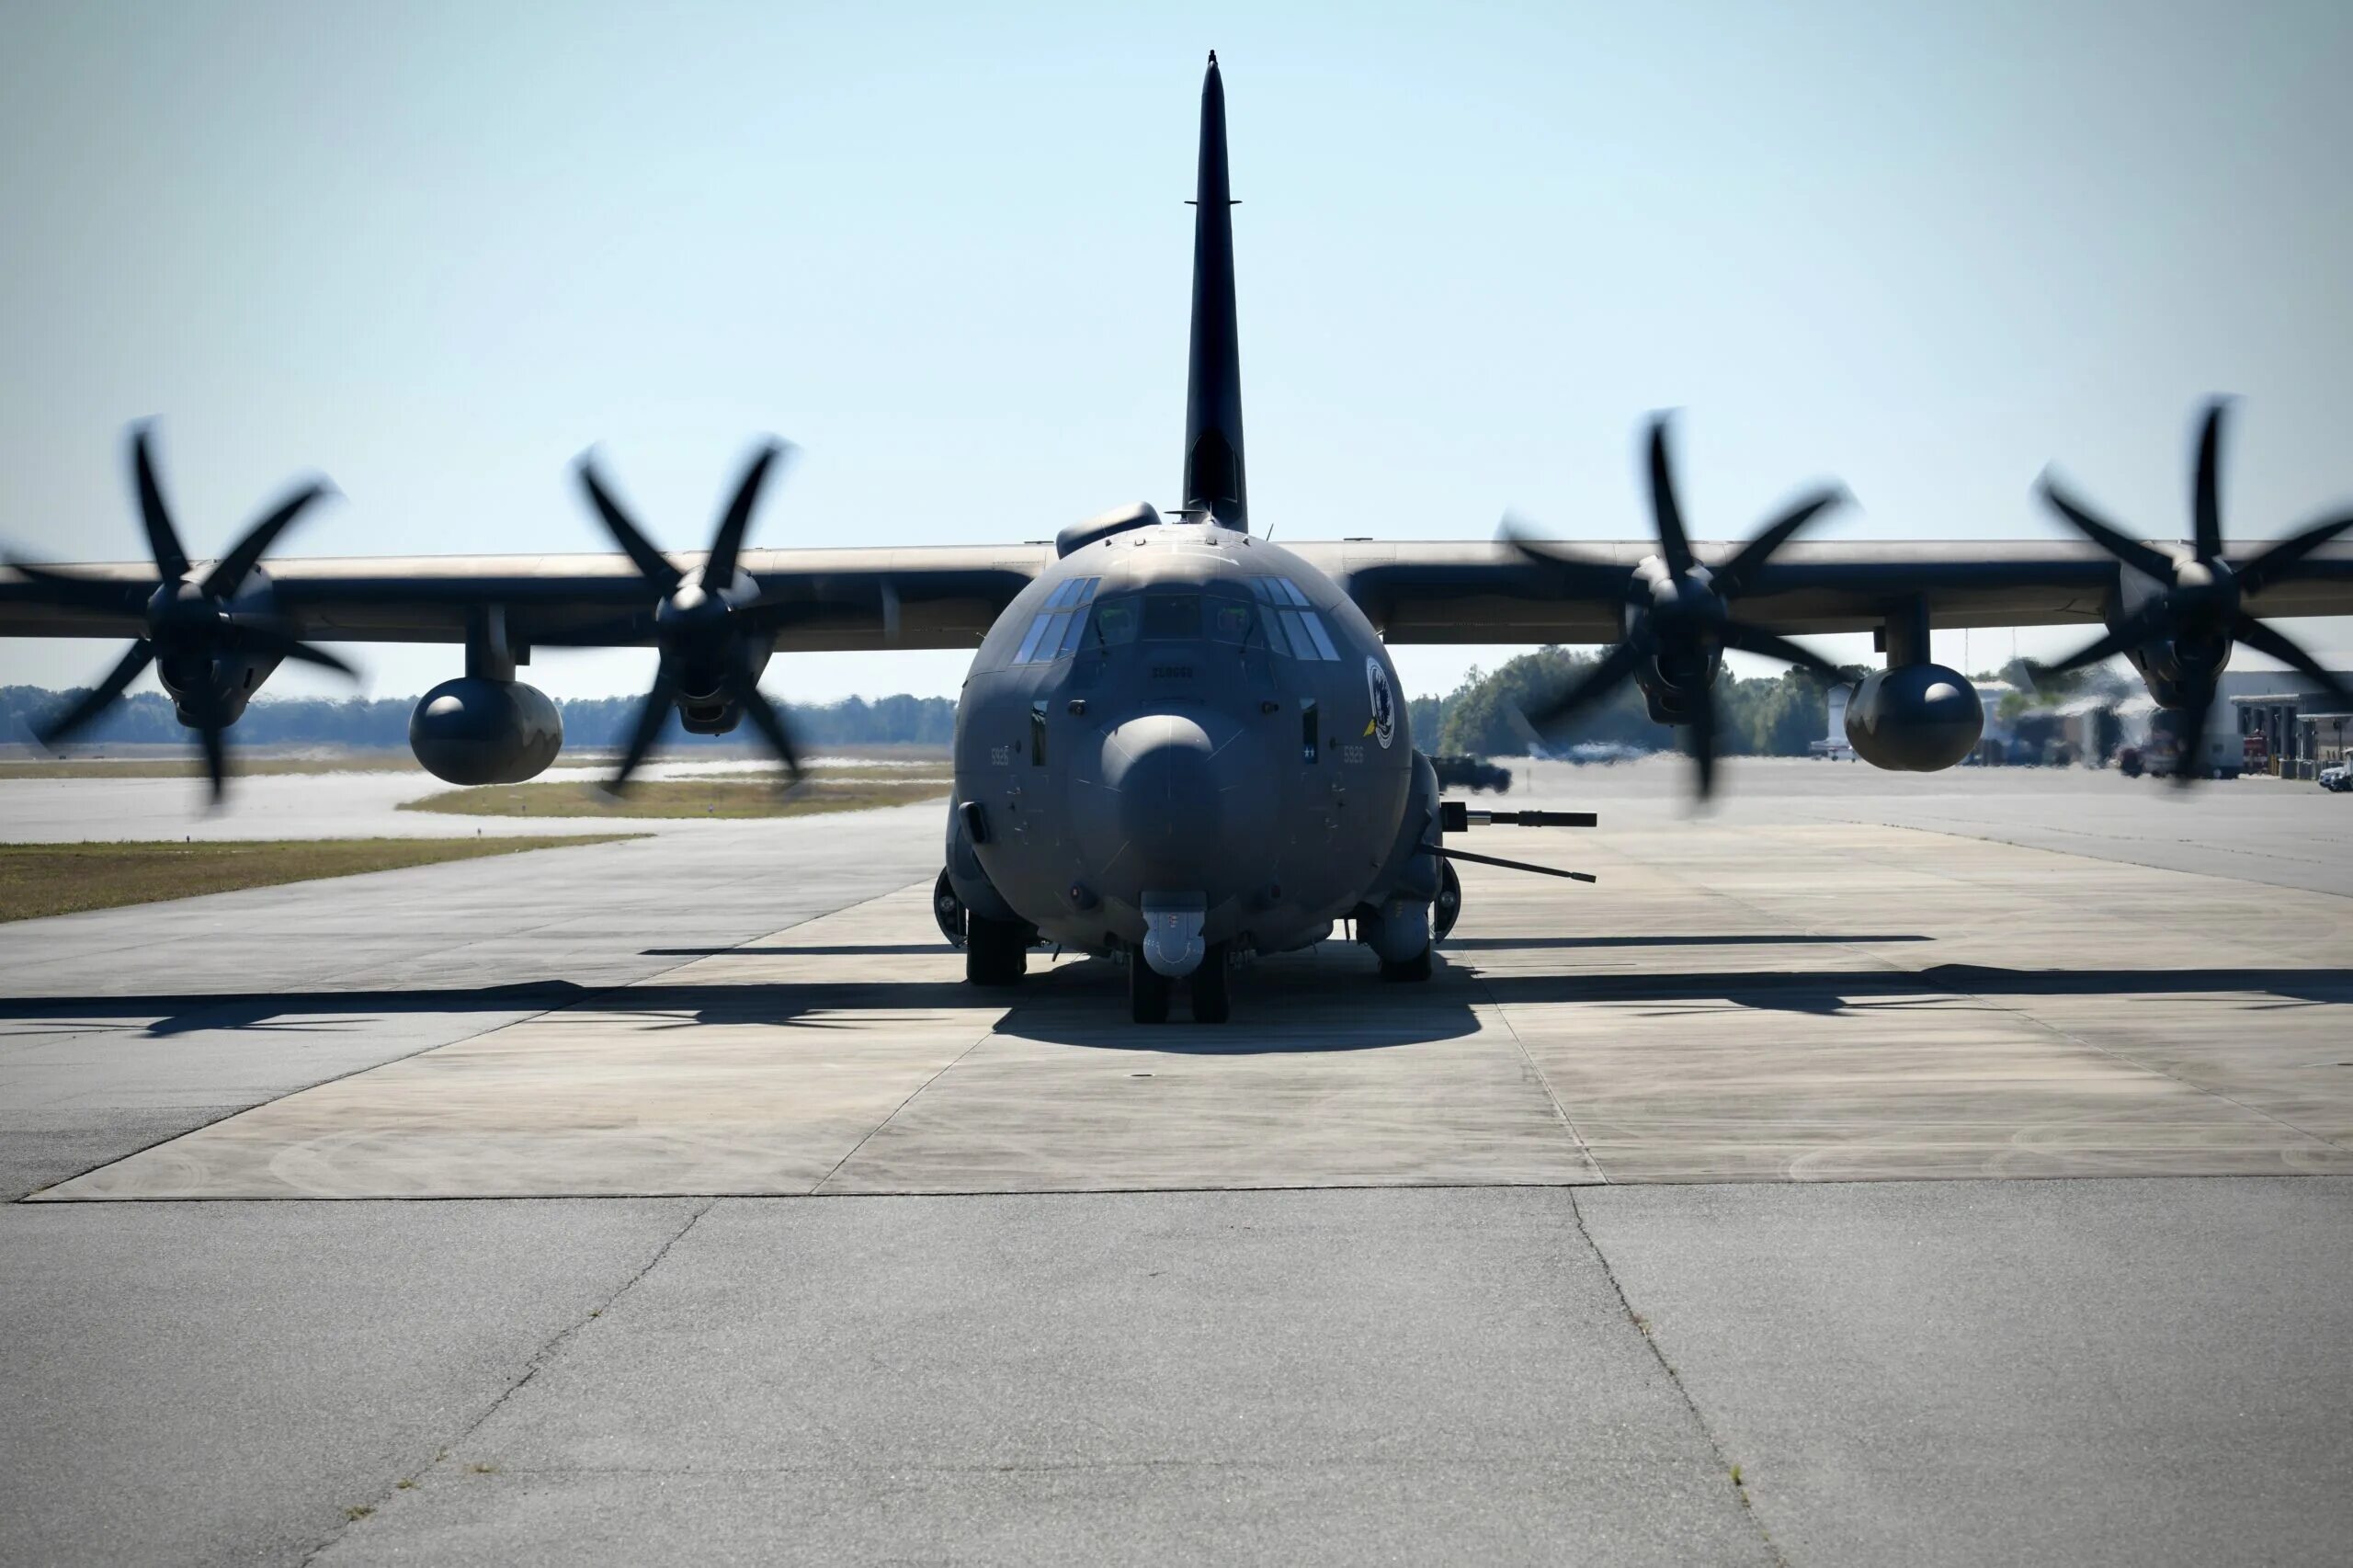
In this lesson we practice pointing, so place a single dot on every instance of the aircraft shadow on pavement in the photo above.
(1280, 1005)
(835, 950)
(1313, 1003)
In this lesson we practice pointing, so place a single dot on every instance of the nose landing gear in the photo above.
(1149, 992)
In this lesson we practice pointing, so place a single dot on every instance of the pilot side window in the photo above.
(1292, 626)
(1054, 632)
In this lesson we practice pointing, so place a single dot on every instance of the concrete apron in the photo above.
(1729, 1004)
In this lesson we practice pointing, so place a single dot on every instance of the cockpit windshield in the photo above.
(1155, 615)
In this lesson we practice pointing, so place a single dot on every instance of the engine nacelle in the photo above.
(471, 731)
(1915, 719)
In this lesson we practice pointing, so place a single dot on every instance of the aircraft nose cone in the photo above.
(1163, 768)
(1179, 803)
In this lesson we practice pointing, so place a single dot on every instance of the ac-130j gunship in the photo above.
(1179, 743)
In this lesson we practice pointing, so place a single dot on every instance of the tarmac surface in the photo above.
(1679, 1219)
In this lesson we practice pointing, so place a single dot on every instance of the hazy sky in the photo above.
(436, 251)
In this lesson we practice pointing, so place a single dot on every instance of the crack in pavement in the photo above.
(538, 1362)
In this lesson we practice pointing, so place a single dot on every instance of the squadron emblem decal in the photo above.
(1382, 726)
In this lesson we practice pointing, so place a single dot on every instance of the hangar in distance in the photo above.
(1180, 744)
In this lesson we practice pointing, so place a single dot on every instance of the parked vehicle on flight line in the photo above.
(1456, 772)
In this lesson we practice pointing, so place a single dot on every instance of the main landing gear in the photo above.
(1148, 991)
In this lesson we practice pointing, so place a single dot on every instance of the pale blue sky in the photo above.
(435, 251)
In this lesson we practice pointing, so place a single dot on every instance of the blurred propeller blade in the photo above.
(72, 592)
(2266, 639)
(1615, 667)
(1751, 640)
(2148, 561)
(2192, 766)
(728, 544)
(216, 754)
(1701, 740)
(1733, 579)
(163, 539)
(651, 562)
(259, 638)
(2135, 631)
(101, 697)
(1673, 546)
(2206, 486)
(763, 713)
(1579, 577)
(2280, 562)
(215, 742)
(222, 580)
(651, 715)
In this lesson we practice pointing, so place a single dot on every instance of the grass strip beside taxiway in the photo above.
(37, 880)
(708, 797)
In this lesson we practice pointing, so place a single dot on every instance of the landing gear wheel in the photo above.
(948, 910)
(1416, 968)
(1447, 907)
(996, 952)
(1212, 994)
(1147, 992)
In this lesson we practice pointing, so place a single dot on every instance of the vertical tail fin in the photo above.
(1213, 386)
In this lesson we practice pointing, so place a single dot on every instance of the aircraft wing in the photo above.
(1426, 591)
(1477, 592)
(851, 599)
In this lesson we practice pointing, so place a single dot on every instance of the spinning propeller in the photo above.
(190, 621)
(1679, 620)
(711, 624)
(2187, 629)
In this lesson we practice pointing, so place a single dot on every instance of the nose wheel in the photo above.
(996, 952)
(1213, 999)
(1149, 992)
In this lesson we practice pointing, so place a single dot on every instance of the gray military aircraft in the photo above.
(1180, 744)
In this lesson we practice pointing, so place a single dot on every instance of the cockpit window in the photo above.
(1299, 632)
(1117, 622)
(1054, 631)
(1232, 620)
(1154, 617)
(1169, 617)
(1278, 591)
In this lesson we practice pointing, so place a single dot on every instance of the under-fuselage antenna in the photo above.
(1213, 482)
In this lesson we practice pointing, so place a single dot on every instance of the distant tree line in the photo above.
(1771, 716)
(384, 721)
(1762, 716)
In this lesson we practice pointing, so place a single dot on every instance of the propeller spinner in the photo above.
(2189, 625)
(711, 624)
(191, 621)
(1680, 618)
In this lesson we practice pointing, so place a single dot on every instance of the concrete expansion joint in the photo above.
(538, 1362)
(1641, 1325)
